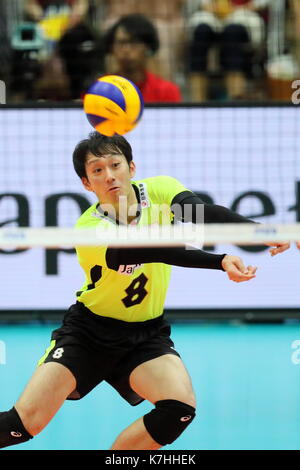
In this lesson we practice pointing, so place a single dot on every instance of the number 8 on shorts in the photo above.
(58, 353)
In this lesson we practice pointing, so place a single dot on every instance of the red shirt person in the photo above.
(157, 90)
(130, 44)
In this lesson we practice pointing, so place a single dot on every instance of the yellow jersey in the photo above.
(134, 293)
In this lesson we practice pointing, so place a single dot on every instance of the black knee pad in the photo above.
(168, 420)
(12, 430)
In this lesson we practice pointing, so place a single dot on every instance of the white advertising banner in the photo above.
(247, 159)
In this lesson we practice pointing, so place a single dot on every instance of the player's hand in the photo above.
(236, 270)
(279, 247)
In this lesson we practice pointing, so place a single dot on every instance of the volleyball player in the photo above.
(116, 331)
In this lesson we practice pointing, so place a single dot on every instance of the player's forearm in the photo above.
(188, 258)
(184, 206)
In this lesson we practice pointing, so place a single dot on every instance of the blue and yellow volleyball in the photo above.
(113, 105)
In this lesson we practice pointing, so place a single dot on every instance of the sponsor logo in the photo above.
(128, 269)
(266, 230)
(11, 235)
(185, 418)
(145, 201)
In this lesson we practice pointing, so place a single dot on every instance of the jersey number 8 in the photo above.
(136, 292)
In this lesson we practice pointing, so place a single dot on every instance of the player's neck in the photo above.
(126, 210)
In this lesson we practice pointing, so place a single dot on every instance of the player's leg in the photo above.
(46, 391)
(165, 382)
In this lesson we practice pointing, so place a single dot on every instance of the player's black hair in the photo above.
(99, 145)
(139, 27)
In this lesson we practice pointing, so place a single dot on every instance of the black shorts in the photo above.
(98, 348)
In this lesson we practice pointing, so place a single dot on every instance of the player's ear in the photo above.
(86, 183)
(132, 169)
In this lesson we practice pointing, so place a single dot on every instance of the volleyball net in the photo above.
(198, 235)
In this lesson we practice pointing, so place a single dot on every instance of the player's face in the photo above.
(130, 54)
(109, 177)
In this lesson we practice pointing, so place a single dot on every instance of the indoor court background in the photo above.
(239, 342)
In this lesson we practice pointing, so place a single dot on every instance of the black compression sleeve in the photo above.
(188, 201)
(188, 258)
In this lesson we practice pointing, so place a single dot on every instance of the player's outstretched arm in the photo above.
(187, 203)
(236, 270)
(116, 258)
(278, 247)
(185, 208)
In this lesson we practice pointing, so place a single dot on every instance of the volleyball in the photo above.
(113, 105)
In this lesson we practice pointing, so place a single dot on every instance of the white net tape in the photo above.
(126, 236)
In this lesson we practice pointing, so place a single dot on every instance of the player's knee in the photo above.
(31, 418)
(168, 420)
(12, 430)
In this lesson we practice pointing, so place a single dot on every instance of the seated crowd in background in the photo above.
(235, 32)
(55, 49)
(174, 50)
(130, 44)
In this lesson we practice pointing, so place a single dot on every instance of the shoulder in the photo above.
(157, 182)
(160, 188)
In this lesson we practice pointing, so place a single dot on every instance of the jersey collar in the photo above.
(143, 201)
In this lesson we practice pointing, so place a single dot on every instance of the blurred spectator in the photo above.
(11, 13)
(168, 17)
(71, 52)
(239, 32)
(4, 44)
(131, 42)
(283, 66)
(56, 16)
(81, 49)
(295, 27)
